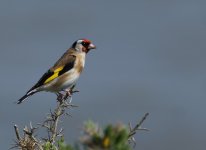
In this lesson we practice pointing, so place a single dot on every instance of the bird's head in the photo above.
(83, 45)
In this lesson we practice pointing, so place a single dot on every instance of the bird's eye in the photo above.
(85, 44)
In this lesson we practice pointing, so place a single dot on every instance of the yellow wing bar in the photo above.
(55, 75)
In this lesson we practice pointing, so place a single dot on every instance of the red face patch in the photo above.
(86, 41)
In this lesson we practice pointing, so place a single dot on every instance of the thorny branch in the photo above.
(29, 142)
(136, 128)
(51, 123)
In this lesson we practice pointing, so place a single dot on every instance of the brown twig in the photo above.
(28, 140)
(53, 118)
(17, 132)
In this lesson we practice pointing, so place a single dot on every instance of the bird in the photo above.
(65, 72)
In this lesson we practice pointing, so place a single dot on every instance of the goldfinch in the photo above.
(65, 72)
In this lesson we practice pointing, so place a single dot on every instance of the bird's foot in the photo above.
(64, 96)
(68, 93)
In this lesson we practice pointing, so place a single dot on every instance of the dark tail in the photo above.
(27, 95)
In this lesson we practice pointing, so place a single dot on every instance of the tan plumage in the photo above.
(65, 72)
(67, 57)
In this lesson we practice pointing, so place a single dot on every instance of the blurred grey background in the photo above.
(150, 58)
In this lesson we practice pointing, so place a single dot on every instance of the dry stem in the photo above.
(136, 128)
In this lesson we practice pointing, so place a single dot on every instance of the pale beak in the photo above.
(91, 46)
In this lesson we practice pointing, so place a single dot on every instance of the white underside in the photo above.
(70, 83)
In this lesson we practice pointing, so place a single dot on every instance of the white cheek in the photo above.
(79, 48)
